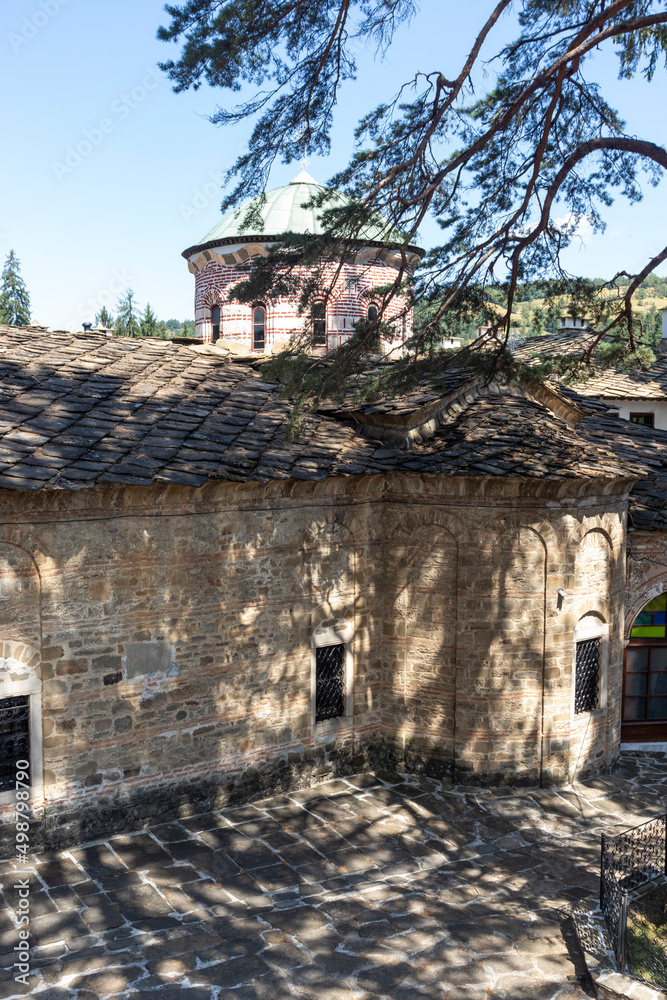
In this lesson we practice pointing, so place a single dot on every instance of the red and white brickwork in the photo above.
(354, 290)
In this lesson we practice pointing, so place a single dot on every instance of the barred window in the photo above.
(14, 738)
(329, 682)
(258, 328)
(319, 317)
(587, 680)
(215, 323)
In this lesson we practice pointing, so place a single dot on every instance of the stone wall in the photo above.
(170, 629)
(646, 571)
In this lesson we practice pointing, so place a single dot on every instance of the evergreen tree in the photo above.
(149, 323)
(508, 172)
(104, 318)
(127, 319)
(14, 297)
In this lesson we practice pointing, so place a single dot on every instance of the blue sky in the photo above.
(86, 227)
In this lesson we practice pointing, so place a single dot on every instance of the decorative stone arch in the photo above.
(506, 542)
(516, 520)
(350, 521)
(331, 546)
(585, 601)
(460, 532)
(213, 298)
(24, 538)
(603, 523)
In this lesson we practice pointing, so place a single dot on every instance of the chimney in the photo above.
(87, 327)
(572, 324)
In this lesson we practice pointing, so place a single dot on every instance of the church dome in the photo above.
(283, 211)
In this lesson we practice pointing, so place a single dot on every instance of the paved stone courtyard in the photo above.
(367, 888)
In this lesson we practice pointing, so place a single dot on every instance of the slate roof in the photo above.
(81, 409)
(613, 382)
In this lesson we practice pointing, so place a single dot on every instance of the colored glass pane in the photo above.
(649, 632)
(644, 618)
(657, 604)
(659, 617)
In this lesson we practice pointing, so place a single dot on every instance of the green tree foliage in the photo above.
(127, 322)
(104, 318)
(14, 297)
(149, 325)
(508, 173)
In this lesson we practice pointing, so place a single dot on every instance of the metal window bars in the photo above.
(329, 682)
(14, 738)
(587, 675)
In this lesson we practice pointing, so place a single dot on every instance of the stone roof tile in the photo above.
(76, 409)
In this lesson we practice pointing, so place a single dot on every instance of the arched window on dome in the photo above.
(645, 674)
(215, 323)
(373, 312)
(319, 318)
(258, 327)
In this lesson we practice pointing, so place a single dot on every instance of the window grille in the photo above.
(587, 675)
(319, 317)
(329, 682)
(14, 738)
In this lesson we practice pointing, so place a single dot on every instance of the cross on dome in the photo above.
(303, 178)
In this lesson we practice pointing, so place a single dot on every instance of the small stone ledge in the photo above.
(608, 983)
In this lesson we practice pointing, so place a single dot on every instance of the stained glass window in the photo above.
(651, 622)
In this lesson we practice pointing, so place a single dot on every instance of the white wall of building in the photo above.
(658, 407)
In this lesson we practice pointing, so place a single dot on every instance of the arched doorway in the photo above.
(645, 676)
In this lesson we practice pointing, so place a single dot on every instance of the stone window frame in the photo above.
(332, 632)
(592, 626)
(31, 688)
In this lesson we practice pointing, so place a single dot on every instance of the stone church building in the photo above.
(263, 327)
(194, 610)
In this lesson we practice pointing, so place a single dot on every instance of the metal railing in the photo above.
(628, 861)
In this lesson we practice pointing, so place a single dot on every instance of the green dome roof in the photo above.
(283, 212)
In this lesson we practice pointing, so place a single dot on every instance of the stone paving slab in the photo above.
(367, 888)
